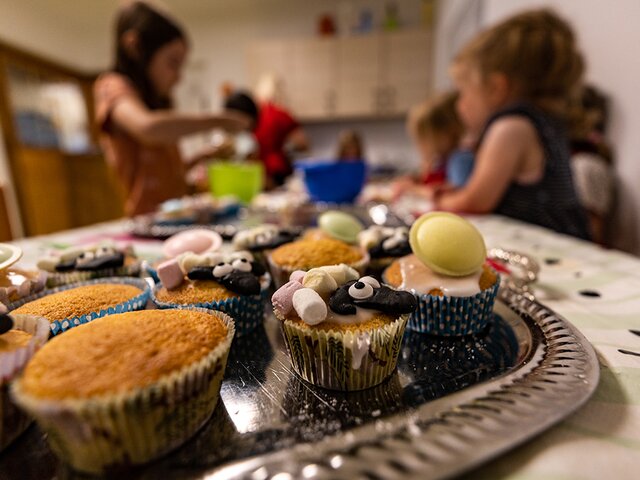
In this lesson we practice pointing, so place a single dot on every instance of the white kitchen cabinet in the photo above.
(369, 76)
(358, 77)
(312, 78)
(407, 72)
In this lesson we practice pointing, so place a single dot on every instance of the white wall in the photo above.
(609, 37)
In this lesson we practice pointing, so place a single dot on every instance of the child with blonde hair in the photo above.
(515, 81)
(436, 131)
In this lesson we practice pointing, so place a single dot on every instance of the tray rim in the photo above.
(453, 434)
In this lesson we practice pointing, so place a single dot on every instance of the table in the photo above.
(597, 290)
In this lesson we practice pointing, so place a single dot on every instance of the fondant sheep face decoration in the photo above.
(239, 273)
(84, 259)
(368, 293)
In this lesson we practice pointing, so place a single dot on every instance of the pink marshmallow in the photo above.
(297, 276)
(282, 299)
(170, 273)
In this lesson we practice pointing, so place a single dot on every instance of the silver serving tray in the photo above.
(554, 373)
(452, 405)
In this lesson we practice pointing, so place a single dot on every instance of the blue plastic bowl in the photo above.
(333, 182)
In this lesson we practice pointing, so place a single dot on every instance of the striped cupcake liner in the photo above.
(246, 310)
(453, 316)
(281, 273)
(97, 434)
(12, 420)
(58, 279)
(328, 359)
(138, 302)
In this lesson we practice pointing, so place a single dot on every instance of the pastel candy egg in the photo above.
(197, 240)
(447, 244)
(340, 225)
(309, 306)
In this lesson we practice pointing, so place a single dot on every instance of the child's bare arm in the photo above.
(498, 162)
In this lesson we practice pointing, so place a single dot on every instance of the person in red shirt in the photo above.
(276, 131)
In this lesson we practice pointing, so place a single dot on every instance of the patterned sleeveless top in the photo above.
(552, 202)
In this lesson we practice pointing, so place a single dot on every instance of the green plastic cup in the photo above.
(242, 179)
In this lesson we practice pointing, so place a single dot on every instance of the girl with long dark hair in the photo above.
(139, 131)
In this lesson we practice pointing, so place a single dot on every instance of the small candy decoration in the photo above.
(448, 244)
(6, 323)
(237, 271)
(88, 259)
(385, 241)
(340, 225)
(368, 293)
(307, 295)
(264, 237)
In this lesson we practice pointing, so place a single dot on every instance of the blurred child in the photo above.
(436, 131)
(592, 162)
(515, 81)
(139, 131)
(350, 147)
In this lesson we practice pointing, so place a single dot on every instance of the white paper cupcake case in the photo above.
(113, 431)
(57, 279)
(281, 273)
(453, 316)
(323, 358)
(246, 310)
(138, 302)
(12, 420)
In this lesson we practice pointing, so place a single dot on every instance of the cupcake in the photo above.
(78, 264)
(71, 305)
(20, 337)
(310, 253)
(233, 283)
(448, 275)
(342, 332)
(384, 245)
(127, 388)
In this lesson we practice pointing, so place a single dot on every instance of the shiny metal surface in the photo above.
(445, 390)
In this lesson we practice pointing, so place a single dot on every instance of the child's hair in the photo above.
(536, 50)
(242, 101)
(153, 30)
(350, 138)
(436, 116)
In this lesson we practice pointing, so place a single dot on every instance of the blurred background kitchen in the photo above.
(335, 65)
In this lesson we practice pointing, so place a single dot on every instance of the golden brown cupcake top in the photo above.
(13, 340)
(79, 301)
(308, 254)
(119, 353)
(393, 276)
(195, 291)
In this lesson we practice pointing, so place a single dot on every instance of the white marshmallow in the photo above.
(309, 306)
(48, 263)
(320, 281)
(341, 273)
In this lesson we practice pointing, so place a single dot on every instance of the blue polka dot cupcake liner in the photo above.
(454, 316)
(139, 302)
(247, 310)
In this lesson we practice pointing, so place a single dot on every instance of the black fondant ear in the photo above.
(201, 273)
(341, 302)
(258, 269)
(6, 323)
(243, 283)
(387, 300)
(112, 260)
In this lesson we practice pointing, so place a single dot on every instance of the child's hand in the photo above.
(401, 185)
